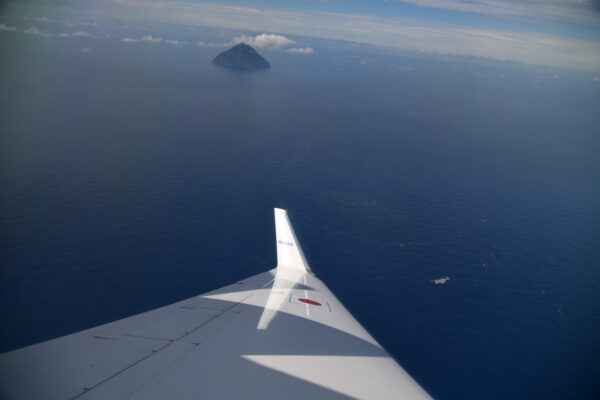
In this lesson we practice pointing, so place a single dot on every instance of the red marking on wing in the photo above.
(309, 301)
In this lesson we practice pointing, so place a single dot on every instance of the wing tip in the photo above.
(289, 252)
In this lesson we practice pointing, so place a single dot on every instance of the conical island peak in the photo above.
(241, 56)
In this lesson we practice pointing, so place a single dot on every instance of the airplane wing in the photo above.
(277, 335)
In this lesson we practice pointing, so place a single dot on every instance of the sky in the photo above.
(555, 33)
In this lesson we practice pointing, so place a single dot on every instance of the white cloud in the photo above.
(147, 39)
(4, 27)
(305, 50)
(204, 44)
(152, 39)
(86, 50)
(264, 41)
(80, 33)
(74, 34)
(175, 42)
(32, 30)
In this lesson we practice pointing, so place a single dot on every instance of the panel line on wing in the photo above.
(88, 389)
(148, 337)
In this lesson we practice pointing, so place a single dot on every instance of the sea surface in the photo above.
(134, 175)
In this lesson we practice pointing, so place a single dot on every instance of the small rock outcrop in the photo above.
(241, 56)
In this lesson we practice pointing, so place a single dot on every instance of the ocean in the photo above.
(135, 175)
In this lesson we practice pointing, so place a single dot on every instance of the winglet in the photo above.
(289, 252)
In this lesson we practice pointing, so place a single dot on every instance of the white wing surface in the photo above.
(277, 335)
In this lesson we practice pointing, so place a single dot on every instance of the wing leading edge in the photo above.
(279, 334)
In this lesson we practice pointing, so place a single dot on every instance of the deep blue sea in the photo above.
(135, 175)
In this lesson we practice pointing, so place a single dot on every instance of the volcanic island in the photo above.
(241, 56)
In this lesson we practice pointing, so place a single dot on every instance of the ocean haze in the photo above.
(138, 174)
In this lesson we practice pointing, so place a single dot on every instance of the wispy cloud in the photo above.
(7, 28)
(153, 39)
(581, 11)
(32, 30)
(146, 39)
(205, 44)
(74, 34)
(305, 50)
(177, 43)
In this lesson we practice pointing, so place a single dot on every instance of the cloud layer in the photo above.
(527, 31)
(558, 33)
(263, 41)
